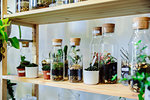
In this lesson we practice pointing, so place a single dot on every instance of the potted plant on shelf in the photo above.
(46, 72)
(4, 37)
(31, 70)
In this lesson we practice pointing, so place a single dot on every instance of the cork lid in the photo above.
(57, 42)
(25, 44)
(97, 31)
(75, 41)
(108, 27)
(141, 23)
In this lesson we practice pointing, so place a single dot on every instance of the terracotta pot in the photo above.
(46, 75)
(21, 72)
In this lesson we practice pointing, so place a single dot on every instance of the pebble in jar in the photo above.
(57, 60)
(75, 61)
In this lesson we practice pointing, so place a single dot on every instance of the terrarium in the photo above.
(108, 55)
(22, 5)
(57, 60)
(75, 61)
(139, 50)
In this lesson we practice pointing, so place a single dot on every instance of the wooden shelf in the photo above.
(86, 10)
(106, 89)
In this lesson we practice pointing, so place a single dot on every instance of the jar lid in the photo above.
(97, 31)
(141, 23)
(108, 27)
(57, 42)
(75, 41)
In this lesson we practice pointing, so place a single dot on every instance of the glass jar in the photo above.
(36, 4)
(57, 60)
(22, 5)
(139, 50)
(108, 55)
(95, 45)
(75, 70)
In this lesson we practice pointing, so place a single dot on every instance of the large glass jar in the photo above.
(36, 4)
(22, 5)
(95, 45)
(75, 61)
(57, 60)
(108, 55)
(139, 50)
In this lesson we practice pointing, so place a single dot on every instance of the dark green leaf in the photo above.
(14, 42)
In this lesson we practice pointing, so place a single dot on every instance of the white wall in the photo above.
(65, 31)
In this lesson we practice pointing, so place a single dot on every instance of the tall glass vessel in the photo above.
(139, 50)
(57, 60)
(75, 61)
(108, 55)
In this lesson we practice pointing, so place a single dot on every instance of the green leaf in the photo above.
(1, 23)
(6, 36)
(3, 34)
(114, 77)
(138, 42)
(5, 20)
(19, 31)
(14, 42)
(144, 47)
(23, 58)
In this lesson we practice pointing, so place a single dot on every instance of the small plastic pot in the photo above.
(91, 77)
(21, 72)
(31, 72)
(46, 75)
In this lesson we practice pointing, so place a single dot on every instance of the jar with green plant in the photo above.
(139, 50)
(75, 61)
(57, 60)
(108, 55)
(4, 37)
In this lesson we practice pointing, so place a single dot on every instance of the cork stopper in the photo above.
(97, 31)
(108, 28)
(141, 23)
(57, 42)
(75, 41)
(25, 44)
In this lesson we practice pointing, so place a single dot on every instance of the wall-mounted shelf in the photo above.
(91, 9)
(107, 89)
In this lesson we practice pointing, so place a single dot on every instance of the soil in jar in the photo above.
(134, 84)
(57, 71)
(75, 73)
(108, 71)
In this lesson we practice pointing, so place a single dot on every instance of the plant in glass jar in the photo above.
(108, 55)
(75, 61)
(139, 54)
(57, 60)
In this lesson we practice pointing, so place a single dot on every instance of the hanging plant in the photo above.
(4, 37)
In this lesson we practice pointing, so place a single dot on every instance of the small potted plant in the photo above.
(91, 75)
(46, 72)
(21, 67)
(31, 70)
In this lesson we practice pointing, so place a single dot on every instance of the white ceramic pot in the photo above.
(91, 77)
(31, 72)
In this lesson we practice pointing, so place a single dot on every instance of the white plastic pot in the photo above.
(31, 72)
(91, 77)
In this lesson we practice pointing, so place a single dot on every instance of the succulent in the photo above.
(46, 68)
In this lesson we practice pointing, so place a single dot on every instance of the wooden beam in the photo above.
(3, 85)
(35, 51)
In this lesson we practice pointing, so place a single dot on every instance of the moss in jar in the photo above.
(75, 73)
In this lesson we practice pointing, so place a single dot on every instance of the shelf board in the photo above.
(91, 9)
(106, 89)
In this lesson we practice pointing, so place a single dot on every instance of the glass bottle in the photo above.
(139, 50)
(94, 45)
(22, 5)
(108, 55)
(75, 70)
(57, 60)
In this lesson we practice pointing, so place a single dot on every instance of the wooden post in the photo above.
(35, 50)
(3, 85)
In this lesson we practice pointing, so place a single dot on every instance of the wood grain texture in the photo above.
(106, 89)
(91, 9)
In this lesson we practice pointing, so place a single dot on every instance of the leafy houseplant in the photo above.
(108, 69)
(21, 67)
(4, 37)
(46, 72)
(31, 70)
(10, 89)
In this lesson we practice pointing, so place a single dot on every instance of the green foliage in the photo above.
(32, 65)
(107, 59)
(14, 42)
(114, 77)
(10, 89)
(23, 62)
(46, 68)
(65, 51)
(92, 68)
